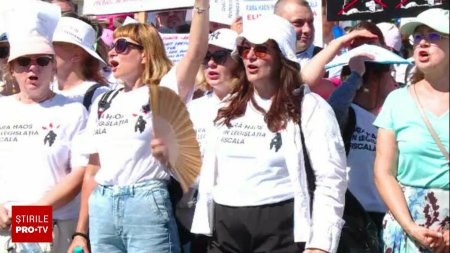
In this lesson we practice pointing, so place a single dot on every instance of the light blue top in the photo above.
(421, 163)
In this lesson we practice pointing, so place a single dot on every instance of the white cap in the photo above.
(224, 38)
(79, 33)
(129, 20)
(435, 18)
(31, 27)
(391, 34)
(270, 26)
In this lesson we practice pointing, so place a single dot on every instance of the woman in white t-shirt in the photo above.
(37, 127)
(125, 201)
(253, 193)
(79, 67)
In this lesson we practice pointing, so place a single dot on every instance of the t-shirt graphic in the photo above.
(50, 136)
(276, 142)
(140, 123)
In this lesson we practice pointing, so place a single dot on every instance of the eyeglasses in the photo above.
(4, 52)
(430, 37)
(219, 57)
(260, 51)
(121, 45)
(41, 61)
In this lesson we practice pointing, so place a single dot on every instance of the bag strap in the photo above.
(310, 176)
(87, 100)
(106, 100)
(429, 126)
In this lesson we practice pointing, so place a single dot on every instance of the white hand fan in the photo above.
(172, 124)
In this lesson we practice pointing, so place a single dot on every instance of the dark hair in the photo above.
(285, 103)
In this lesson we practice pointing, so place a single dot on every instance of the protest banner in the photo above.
(380, 10)
(102, 7)
(251, 10)
(176, 45)
(224, 11)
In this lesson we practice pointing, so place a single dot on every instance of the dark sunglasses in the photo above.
(219, 57)
(430, 37)
(4, 52)
(260, 51)
(121, 45)
(41, 61)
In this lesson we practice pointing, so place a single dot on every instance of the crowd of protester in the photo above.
(76, 130)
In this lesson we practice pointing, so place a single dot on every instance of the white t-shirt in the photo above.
(35, 149)
(202, 112)
(251, 167)
(78, 92)
(121, 137)
(361, 158)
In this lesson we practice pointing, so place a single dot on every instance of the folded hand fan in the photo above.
(172, 124)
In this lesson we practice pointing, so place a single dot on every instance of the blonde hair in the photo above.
(157, 63)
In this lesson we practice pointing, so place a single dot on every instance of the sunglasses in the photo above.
(41, 61)
(121, 45)
(430, 37)
(219, 57)
(260, 51)
(4, 52)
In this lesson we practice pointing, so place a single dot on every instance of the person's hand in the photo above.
(160, 150)
(314, 251)
(5, 218)
(357, 36)
(236, 25)
(444, 246)
(78, 241)
(356, 63)
(426, 237)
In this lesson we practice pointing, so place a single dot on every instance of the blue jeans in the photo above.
(132, 219)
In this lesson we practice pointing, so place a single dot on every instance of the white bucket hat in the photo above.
(270, 26)
(79, 33)
(34, 23)
(224, 38)
(435, 18)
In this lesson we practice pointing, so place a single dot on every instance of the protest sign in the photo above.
(102, 7)
(176, 45)
(224, 11)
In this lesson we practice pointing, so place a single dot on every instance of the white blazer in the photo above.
(327, 154)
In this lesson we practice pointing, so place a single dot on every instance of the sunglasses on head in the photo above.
(430, 37)
(41, 61)
(4, 52)
(219, 57)
(121, 45)
(259, 51)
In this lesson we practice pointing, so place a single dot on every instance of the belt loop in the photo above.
(102, 189)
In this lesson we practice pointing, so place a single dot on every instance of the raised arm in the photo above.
(312, 73)
(198, 44)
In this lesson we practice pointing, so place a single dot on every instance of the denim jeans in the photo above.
(132, 219)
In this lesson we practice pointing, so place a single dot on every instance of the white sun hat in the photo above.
(270, 26)
(391, 34)
(435, 18)
(224, 38)
(79, 33)
(31, 27)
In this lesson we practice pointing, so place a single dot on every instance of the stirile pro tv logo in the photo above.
(31, 224)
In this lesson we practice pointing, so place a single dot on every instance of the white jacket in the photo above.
(327, 154)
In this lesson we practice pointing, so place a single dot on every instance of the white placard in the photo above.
(176, 45)
(224, 11)
(103, 7)
(253, 9)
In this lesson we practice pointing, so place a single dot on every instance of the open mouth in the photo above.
(33, 78)
(114, 63)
